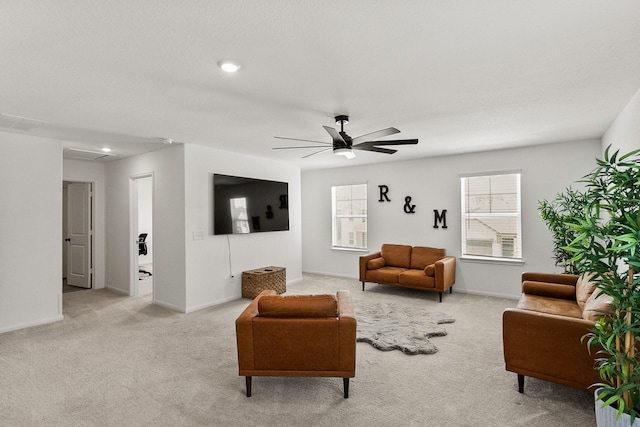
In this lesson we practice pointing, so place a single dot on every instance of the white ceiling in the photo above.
(461, 76)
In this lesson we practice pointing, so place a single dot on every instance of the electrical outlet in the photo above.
(198, 235)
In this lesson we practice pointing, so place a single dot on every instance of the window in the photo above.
(349, 212)
(491, 219)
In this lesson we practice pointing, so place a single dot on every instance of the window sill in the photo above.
(339, 249)
(491, 260)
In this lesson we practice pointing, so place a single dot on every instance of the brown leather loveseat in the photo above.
(297, 336)
(542, 335)
(414, 267)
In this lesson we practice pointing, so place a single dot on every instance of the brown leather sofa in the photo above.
(414, 267)
(542, 335)
(297, 336)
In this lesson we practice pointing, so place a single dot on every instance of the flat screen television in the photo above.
(247, 205)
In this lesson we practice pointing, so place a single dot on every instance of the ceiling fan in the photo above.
(344, 145)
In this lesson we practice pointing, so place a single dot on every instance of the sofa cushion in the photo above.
(584, 288)
(298, 306)
(546, 289)
(386, 274)
(416, 278)
(430, 270)
(595, 305)
(375, 263)
(422, 256)
(562, 307)
(396, 255)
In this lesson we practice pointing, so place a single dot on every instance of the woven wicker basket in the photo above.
(256, 281)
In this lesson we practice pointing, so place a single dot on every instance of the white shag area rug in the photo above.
(389, 326)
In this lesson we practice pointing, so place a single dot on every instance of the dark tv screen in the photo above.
(248, 205)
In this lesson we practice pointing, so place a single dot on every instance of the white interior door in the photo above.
(79, 234)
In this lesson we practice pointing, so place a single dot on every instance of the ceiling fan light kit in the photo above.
(343, 145)
(348, 153)
(229, 66)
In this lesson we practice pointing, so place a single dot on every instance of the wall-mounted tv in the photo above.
(247, 205)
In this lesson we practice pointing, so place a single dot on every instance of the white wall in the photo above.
(30, 231)
(434, 183)
(208, 268)
(624, 133)
(167, 167)
(88, 171)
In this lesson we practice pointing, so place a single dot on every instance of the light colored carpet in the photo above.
(121, 361)
(393, 326)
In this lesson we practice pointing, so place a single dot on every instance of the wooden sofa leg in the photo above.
(520, 383)
(451, 289)
(346, 387)
(362, 286)
(440, 293)
(248, 383)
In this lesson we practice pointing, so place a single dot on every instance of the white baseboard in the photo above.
(342, 276)
(117, 290)
(212, 303)
(57, 318)
(169, 306)
(485, 294)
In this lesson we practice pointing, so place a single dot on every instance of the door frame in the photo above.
(134, 289)
(92, 222)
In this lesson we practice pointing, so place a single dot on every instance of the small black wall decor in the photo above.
(408, 207)
(439, 218)
(383, 193)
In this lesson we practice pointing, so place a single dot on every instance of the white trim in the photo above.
(117, 290)
(170, 306)
(491, 260)
(342, 249)
(343, 276)
(57, 318)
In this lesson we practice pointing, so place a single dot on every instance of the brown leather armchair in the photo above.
(297, 336)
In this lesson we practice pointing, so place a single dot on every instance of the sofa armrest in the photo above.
(348, 325)
(244, 332)
(548, 347)
(363, 264)
(445, 273)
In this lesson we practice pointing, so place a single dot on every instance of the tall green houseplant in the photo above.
(557, 214)
(607, 243)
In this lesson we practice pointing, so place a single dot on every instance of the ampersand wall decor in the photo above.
(408, 207)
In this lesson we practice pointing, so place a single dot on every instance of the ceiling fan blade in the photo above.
(303, 140)
(317, 152)
(305, 146)
(375, 135)
(389, 142)
(335, 135)
(374, 149)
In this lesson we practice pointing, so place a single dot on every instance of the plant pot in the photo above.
(606, 416)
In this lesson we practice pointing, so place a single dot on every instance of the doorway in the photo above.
(143, 236)
(77, 234)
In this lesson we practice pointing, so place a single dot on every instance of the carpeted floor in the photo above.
(121, 361)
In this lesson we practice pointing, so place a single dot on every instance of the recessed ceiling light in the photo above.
(106, 149)
(229, 66)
